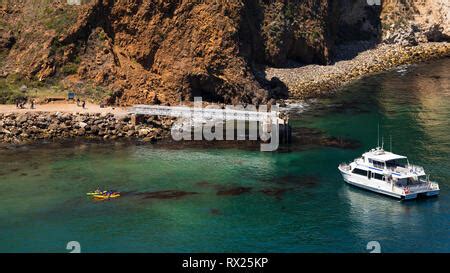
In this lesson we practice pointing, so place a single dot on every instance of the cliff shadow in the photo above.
(357, 29)
(252, 48)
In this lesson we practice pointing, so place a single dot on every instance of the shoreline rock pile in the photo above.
(22, 128)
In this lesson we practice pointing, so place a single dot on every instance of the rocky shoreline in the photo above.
(304, 82)
(312, 81)
(25, 128)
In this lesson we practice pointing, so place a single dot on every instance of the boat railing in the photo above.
(415, 188)
(408, 170)
(420, 187)
(398, 169)
(344, 166)
(416, 169)
(434, 186)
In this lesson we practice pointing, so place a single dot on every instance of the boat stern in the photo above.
(429, 190)
(410, 196)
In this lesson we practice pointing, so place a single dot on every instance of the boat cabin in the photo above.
(382, 160)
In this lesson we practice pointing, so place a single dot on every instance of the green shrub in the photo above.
(59, 20)
(102, 35)
(69, 69)
(77, 60)
(10, 88)
(7, 95)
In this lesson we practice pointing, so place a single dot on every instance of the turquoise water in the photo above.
(242, 200)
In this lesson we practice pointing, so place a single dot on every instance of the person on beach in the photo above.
(83, 104)
(21, 103)
(32, 104)
(78, 101)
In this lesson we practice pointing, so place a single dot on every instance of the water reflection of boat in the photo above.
(364, 201)
(374, 212)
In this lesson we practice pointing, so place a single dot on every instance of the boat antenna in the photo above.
(382, 142)
(390, 136)
(378, 138)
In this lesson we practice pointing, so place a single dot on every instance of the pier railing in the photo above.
(205, 114)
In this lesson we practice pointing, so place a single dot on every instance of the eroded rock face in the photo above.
(162, 51)
(357, 20)
(7, 40)
(151, 51)
(416, 21)
(171, 50)
(281, 30)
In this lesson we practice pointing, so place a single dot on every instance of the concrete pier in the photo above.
(197, 115)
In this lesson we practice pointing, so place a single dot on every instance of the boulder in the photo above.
(82, 124)
(5, 131)
(143, 132)
(95, 129)
(149, 139)
(81, 132)
(22, 118)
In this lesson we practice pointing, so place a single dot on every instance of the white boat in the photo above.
(390, 174)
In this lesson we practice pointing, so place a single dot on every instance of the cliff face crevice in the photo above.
(153, 51)
(283, 30)
(172, 50)
(356, 20)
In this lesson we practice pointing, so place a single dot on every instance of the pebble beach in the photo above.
(311, 81)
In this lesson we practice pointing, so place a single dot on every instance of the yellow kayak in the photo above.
(106, 196)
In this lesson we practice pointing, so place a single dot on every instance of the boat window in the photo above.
(378, 164)
(378, 176)
(412, 181)
(401, 182)
(396, 163)
(359, 171)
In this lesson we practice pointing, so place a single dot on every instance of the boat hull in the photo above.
(105, 197)
(431, 193)
(368, 188)
(349, 179)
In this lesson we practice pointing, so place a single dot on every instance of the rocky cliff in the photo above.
(154, 51)
(415, 21)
